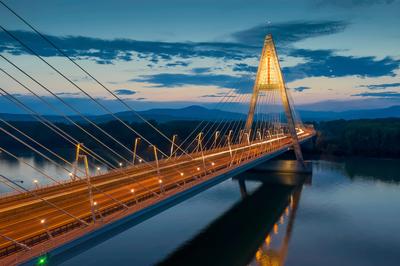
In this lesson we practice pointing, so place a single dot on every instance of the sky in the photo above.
(335, 55)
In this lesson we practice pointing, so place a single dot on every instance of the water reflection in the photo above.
(388, 170)
(275, 249)
(254, 231)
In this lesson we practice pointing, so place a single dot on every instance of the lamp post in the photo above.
(215, 140)
(161, 185)
(96, 210)
(248, 143)
(156, 157)
(229, 142)
(133, 193)
(172, 145)
(135, 150)
(36, 182)
(43, 222)
(200, 146)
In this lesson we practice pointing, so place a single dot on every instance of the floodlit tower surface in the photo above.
(269, 77)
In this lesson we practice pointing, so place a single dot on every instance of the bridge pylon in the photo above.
(269, 77)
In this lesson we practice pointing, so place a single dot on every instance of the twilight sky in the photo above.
(335, 55)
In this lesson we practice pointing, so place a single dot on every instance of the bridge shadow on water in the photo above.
(242, 235)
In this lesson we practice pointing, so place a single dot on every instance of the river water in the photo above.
(347, 213)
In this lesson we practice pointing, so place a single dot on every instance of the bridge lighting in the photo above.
(70, 174)
(268, 240)
(161, 185)
(95, 203)
(212, 163)
(43, 222)
(133, 192)
(140, 160)
(181, 174)
(98, 168)
(198, 168)
(120, 164)
(276, 228)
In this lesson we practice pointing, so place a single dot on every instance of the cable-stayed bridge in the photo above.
(36, 220)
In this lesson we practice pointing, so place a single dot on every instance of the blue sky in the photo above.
(335, 55)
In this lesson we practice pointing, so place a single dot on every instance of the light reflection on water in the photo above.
(348, 216)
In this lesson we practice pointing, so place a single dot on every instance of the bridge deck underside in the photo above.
(20, 215)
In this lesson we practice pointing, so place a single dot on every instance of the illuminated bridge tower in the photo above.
(269, 77)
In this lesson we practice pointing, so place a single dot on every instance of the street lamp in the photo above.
(135, 151)
(172, 145)
(156, 157)
(36, 182)
(43, 222)
(161, 185)
(133, 193)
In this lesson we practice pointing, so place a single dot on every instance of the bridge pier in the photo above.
(280, 172)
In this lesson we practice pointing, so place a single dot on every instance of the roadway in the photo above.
(27, 216)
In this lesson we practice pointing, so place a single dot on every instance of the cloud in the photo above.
(106, 51)
(140, 99)
(318, 63)
(241, 83)
(178, 63)
(351, 3)
(381, 86)
(68, 93)
(289, 32)
(387, 94)
(325, 63)
(301, 89)
(217, 96)
(201, 70)
(124, 92)
(241, 67)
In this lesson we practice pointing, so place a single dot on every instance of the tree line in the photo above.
(365, 137)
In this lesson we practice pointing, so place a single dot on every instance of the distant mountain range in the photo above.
(392, 111)
(201, 113)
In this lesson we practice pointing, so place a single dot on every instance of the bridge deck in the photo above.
(20, 214)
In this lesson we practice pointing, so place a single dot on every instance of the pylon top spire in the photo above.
(269, 74)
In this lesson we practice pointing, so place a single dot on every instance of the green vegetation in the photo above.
(364, 137)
